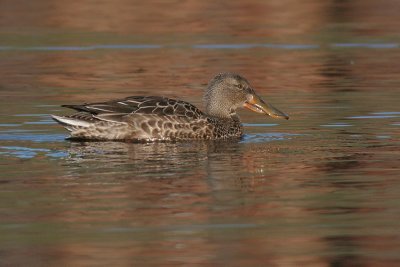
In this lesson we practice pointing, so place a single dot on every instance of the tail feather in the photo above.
(70, 123)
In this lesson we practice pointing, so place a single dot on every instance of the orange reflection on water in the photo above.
(319, 198)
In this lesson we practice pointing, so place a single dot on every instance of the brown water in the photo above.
(321, 189)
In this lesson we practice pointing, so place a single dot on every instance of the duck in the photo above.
(157, 118)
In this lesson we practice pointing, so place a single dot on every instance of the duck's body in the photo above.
(154, 118)
(146, 118)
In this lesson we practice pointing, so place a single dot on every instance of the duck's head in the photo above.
(228, 91)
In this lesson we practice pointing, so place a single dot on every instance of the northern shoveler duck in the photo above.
(155, 118)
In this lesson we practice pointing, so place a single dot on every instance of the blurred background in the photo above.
(321, 189)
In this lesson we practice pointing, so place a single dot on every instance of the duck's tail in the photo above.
(71, 123)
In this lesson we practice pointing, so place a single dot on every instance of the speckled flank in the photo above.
(158, 128)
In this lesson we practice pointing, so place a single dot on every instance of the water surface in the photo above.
(321, 189)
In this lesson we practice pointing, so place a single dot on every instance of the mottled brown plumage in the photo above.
(155, 118)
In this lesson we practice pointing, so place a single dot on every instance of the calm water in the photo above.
(321, 189)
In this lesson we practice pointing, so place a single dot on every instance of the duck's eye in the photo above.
(240, 86)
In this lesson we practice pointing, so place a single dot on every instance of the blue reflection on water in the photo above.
(373, 117)
(9, 125)
(32, 137)
(27, 152)
(387, 113)
(92, 47)
(225, 46)
(267, 137)
(338, 124)
(366, 45)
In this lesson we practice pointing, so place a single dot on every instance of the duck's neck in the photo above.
(222, 114)
(219, 109)
(216, 104)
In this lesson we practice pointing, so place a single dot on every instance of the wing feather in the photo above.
(118, 110)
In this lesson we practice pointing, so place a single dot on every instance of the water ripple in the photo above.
(366, 45)
(336, 125)
(200, 46)
(27, 152)
(387, 113)
(32, 137)
(9, 125)
(267, 137)
(260, 124)
(378, 115)
(372, 117)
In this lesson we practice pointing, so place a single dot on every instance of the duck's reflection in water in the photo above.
(158, 160)
(201, 159)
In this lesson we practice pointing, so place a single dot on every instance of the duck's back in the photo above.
(141, 118)
(144, 105)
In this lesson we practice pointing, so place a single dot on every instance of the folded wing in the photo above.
(142, 105)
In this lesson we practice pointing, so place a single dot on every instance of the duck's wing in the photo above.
(117, 110)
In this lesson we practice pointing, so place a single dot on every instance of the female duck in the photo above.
(155, 118)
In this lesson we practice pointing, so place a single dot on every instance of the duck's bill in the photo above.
(258, 105)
